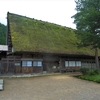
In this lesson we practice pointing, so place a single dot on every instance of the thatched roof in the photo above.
(31, 35)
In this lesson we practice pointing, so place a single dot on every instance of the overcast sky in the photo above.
(54, 11)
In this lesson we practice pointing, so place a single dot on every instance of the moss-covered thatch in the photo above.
(33, 35)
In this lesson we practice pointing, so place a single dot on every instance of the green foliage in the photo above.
(91, 72)
(87, 20)
(84, 71)
(33, 35)
(94, 78)
(98, 80)
(2, 34)
(87, 71)
(96, 71)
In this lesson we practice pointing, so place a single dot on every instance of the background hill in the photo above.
(2, 34)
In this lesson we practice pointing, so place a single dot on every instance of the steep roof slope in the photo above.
(31, 35)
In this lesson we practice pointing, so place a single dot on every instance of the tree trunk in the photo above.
(96, 58)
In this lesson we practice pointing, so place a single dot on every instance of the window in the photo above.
(87, 64)
(78, 63)
(71, 63)
(93, 65)
(66, 63)
(37, 63)
(27, 63)
(84, 64)
(17, 63)
(24, 63)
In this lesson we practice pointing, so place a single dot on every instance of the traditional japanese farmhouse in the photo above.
(36, 46)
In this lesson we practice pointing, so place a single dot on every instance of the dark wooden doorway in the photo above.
(47, 66)
(44, 66)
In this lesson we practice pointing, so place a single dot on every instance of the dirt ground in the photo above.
(56, 87)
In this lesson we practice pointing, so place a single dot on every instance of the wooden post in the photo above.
(7, 66)
(60, 65)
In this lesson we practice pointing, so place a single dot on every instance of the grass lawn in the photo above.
(95, 78)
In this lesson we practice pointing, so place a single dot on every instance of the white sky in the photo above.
(54, 11)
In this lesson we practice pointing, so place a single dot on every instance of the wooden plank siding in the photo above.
(27, 69)
(8, 64)
(50, 63)
(18, 69)
(90, 61)
(37, 69)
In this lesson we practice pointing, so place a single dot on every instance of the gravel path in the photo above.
(56, 87)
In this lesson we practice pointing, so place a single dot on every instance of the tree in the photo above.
(87, 20)
(2, 34)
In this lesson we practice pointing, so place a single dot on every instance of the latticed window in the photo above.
(78, 63)
(66, 64)
(88, 64)
(17, 63)
(37, 63)
(27, 63)
(72, 63)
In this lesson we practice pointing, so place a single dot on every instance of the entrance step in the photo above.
(1, 84)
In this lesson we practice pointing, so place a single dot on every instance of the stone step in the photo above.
(1, 87)
(1, 84)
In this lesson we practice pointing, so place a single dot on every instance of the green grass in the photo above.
(94, 78)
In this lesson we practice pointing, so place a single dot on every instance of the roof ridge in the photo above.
(40, 20)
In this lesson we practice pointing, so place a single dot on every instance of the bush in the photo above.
(98, 81)
(94, 72)
(91, 72)
(97, 71)
(87, 71)
(84, 71)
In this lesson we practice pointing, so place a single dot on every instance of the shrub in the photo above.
(91, 72)
(84, 71)
(87, 71)
(98, 80)
(97, 71)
